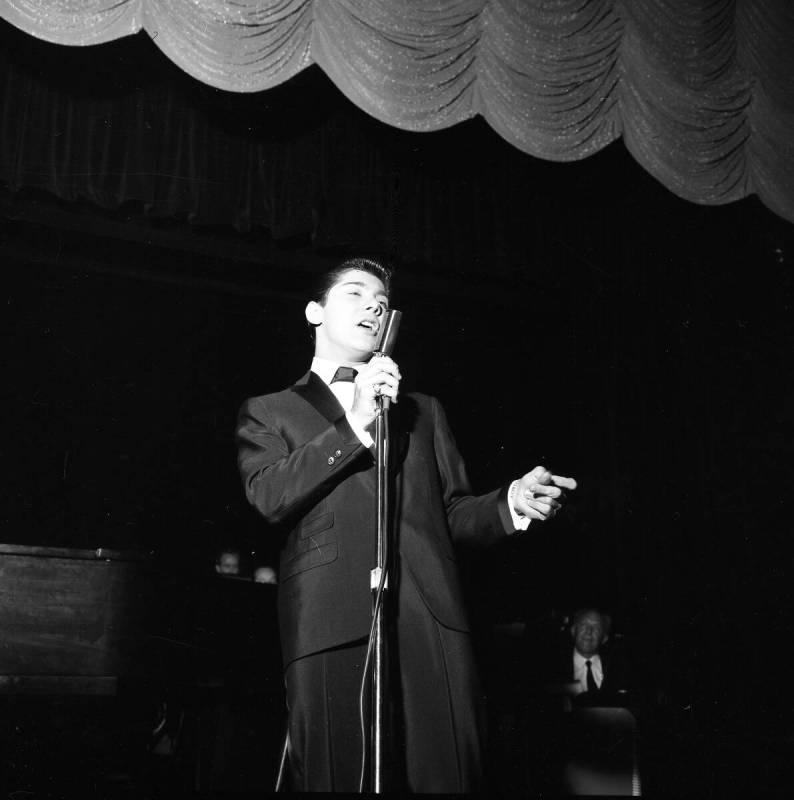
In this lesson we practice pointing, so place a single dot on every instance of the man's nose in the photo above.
(375, 307)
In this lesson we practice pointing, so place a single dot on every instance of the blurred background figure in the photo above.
(265, 574)
(228, 562)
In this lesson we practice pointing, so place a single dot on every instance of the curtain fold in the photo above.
(702, 91)
(687, 98)
(549, 75)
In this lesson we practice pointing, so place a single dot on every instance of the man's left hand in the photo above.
(539, 494)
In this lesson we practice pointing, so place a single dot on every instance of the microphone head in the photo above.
(387, 334)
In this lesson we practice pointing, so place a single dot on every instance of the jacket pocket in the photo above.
(316, 524)
(315, 556)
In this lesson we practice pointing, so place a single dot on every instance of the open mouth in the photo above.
(370, 325)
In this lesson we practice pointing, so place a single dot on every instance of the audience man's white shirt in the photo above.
(580, 669)
(344, 390)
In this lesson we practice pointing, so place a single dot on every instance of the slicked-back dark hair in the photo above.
(329, 279)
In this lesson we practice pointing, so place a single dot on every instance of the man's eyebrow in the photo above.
(363, 286)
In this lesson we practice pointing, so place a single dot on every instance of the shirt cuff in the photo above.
(520, 522)
(360, 432)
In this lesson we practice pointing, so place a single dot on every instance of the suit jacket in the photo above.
(310, 477)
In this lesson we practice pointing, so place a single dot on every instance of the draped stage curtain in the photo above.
(701, 91)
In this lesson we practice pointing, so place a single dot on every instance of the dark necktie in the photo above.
(592, 686)
(344, 374)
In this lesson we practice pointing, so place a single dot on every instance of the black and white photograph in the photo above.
(397, 398)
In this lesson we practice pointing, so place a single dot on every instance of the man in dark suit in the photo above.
(305, 456)
(600, 668)
(580, 735)
(589, 669)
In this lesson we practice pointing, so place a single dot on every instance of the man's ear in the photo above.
(314, 313)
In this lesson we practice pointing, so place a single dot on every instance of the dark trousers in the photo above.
(436, 710)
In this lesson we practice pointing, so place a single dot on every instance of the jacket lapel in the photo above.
(316, 393)
(326, 411)
(313, 389)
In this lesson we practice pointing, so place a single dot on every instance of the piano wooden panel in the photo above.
(70, 620)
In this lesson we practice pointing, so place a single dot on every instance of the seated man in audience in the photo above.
(227, 562)
(265, 574)
(589, 670)
(584, 669)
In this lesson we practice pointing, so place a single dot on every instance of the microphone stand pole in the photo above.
(387, 335)
(379, 585)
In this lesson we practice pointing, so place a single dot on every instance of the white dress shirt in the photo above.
(344, 390)
(580, 669)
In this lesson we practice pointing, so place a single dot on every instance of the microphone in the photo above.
(387, 334)
(387, 337)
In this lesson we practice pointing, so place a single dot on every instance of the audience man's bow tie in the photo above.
(344, 374)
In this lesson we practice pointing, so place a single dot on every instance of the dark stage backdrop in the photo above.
(660, 378)
(646, 350)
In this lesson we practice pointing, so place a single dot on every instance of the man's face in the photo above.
(348, 322)
(588, 634)
(228, 564)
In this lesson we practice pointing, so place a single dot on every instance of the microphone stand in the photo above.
(379, 575)
(379, 585)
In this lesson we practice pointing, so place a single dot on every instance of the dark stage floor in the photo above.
(219, 745)
(210, 742)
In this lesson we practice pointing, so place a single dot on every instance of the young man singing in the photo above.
(306, 460)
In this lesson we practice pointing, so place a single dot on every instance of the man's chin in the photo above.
(364, 354)
(367, 348)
